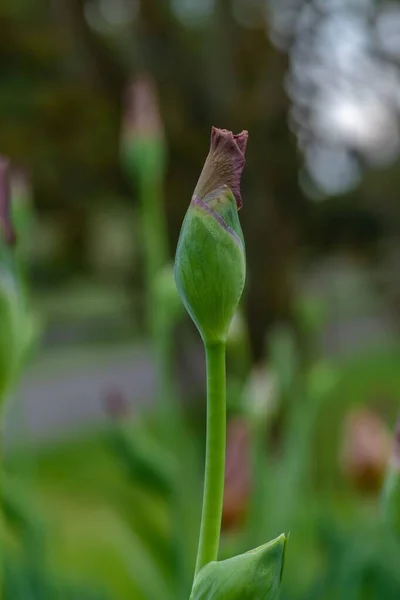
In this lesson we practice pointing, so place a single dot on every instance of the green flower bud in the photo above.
(210, 264)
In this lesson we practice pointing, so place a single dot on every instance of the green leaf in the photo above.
(255, 575)
(12, 333)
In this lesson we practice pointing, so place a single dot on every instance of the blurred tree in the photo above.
(63, 77)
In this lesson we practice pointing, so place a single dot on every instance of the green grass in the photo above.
(100, 527)
(104, 529)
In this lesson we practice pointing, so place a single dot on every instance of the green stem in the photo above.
(164, 354)
(155, 257)
(153, 226)
(213, 495)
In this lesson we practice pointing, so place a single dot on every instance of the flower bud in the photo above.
(22, 207)
(143, 144)
(365, 449)
(391, 487)
(210, 264)
(237, 473)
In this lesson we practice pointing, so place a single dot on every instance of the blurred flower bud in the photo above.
(7, 230)
(391, 487)
(116, 404)
(395, 455)
(21, 192)
(210, 259)
(143, 145)
(365, 449)
(142, 115)
(237, 473)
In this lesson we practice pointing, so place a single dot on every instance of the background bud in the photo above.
(365, 449)
(391, 487)
(143, 143)
(7, 232)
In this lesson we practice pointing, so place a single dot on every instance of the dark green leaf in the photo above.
(255, 575)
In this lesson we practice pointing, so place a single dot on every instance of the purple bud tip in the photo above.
(142, 114)
(5, 202)
(224, 164)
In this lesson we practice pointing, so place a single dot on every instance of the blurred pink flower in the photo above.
(116, 404)
(5, 202)
(237, 473)
(365, 449)
(142, 114)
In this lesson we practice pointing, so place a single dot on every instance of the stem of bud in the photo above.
(213, 494)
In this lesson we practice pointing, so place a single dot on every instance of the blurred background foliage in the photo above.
(104, 437)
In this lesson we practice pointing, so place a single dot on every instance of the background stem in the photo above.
(213, 496)
(153, 225)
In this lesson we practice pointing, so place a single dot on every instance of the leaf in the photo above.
(255, 575)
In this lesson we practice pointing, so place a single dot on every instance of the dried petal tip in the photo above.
(224, 163)
(5, 203)
(240, 139)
